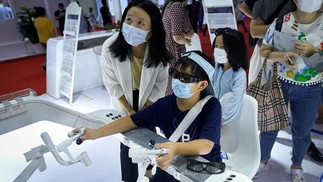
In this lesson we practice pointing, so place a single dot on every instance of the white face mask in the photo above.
(134, 36)
(220, 56)
(308, 6)
(181, 90)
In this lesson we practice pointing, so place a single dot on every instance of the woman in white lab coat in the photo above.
(135, 67)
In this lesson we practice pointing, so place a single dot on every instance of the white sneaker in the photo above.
(297, 175)
(262, 168)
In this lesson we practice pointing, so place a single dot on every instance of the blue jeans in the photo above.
(304, 102)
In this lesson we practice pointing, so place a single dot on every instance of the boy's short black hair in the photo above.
(185, 62)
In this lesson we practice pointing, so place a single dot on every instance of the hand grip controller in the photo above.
(77, 135)
(79, 141)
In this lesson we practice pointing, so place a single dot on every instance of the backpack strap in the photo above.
(188, 119)
(279, 24)
(274, 15)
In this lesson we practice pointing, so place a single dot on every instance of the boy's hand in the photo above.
(164, 161)
(130, 112)
(147, 104)
(89, 134)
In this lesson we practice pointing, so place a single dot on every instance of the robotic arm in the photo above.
(62, 147)
(36, 155)
(139, 155)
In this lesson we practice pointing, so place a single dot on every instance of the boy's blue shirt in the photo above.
(165, 114)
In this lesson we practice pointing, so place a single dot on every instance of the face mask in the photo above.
(308, 6)
(181, 90)
(134, 36)
(220, 56)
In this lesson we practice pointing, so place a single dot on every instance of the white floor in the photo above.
(104, 152)
(280, 160)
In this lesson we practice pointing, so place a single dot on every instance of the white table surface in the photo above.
(103, 153)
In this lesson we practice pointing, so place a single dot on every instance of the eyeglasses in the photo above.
(222, 31)
(209, 167)
(183, 77)
(227, 31)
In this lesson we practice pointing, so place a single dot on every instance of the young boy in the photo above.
(190, 83)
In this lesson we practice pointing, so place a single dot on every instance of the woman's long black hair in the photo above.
(235, 46)
(158, 52)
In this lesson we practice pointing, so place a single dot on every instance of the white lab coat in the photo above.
(117, 78)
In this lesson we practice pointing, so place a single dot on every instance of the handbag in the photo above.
(272, 110)
(256, 62)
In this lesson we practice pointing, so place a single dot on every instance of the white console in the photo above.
(87, 66)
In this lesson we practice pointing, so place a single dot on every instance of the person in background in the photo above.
(263, 14)
(105, 14)
(301, 84)
(230, 55)
(319, 119)
(179, 31)
(191, 82)
(200, 15)
(312, 151)
(60, 17)
(246, 7)
(193, 8)
(84, 25)
(135, 68)
(92, 19)
(5, 11)
(239, 15)
(45, 28)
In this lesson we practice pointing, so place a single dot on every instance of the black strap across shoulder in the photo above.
(274, 15)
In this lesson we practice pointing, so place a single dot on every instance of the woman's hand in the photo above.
(188, 42)
(305, 49)
(164, 161)
(289, 57)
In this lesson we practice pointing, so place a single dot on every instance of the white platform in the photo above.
(281, 154)
(104, 152)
